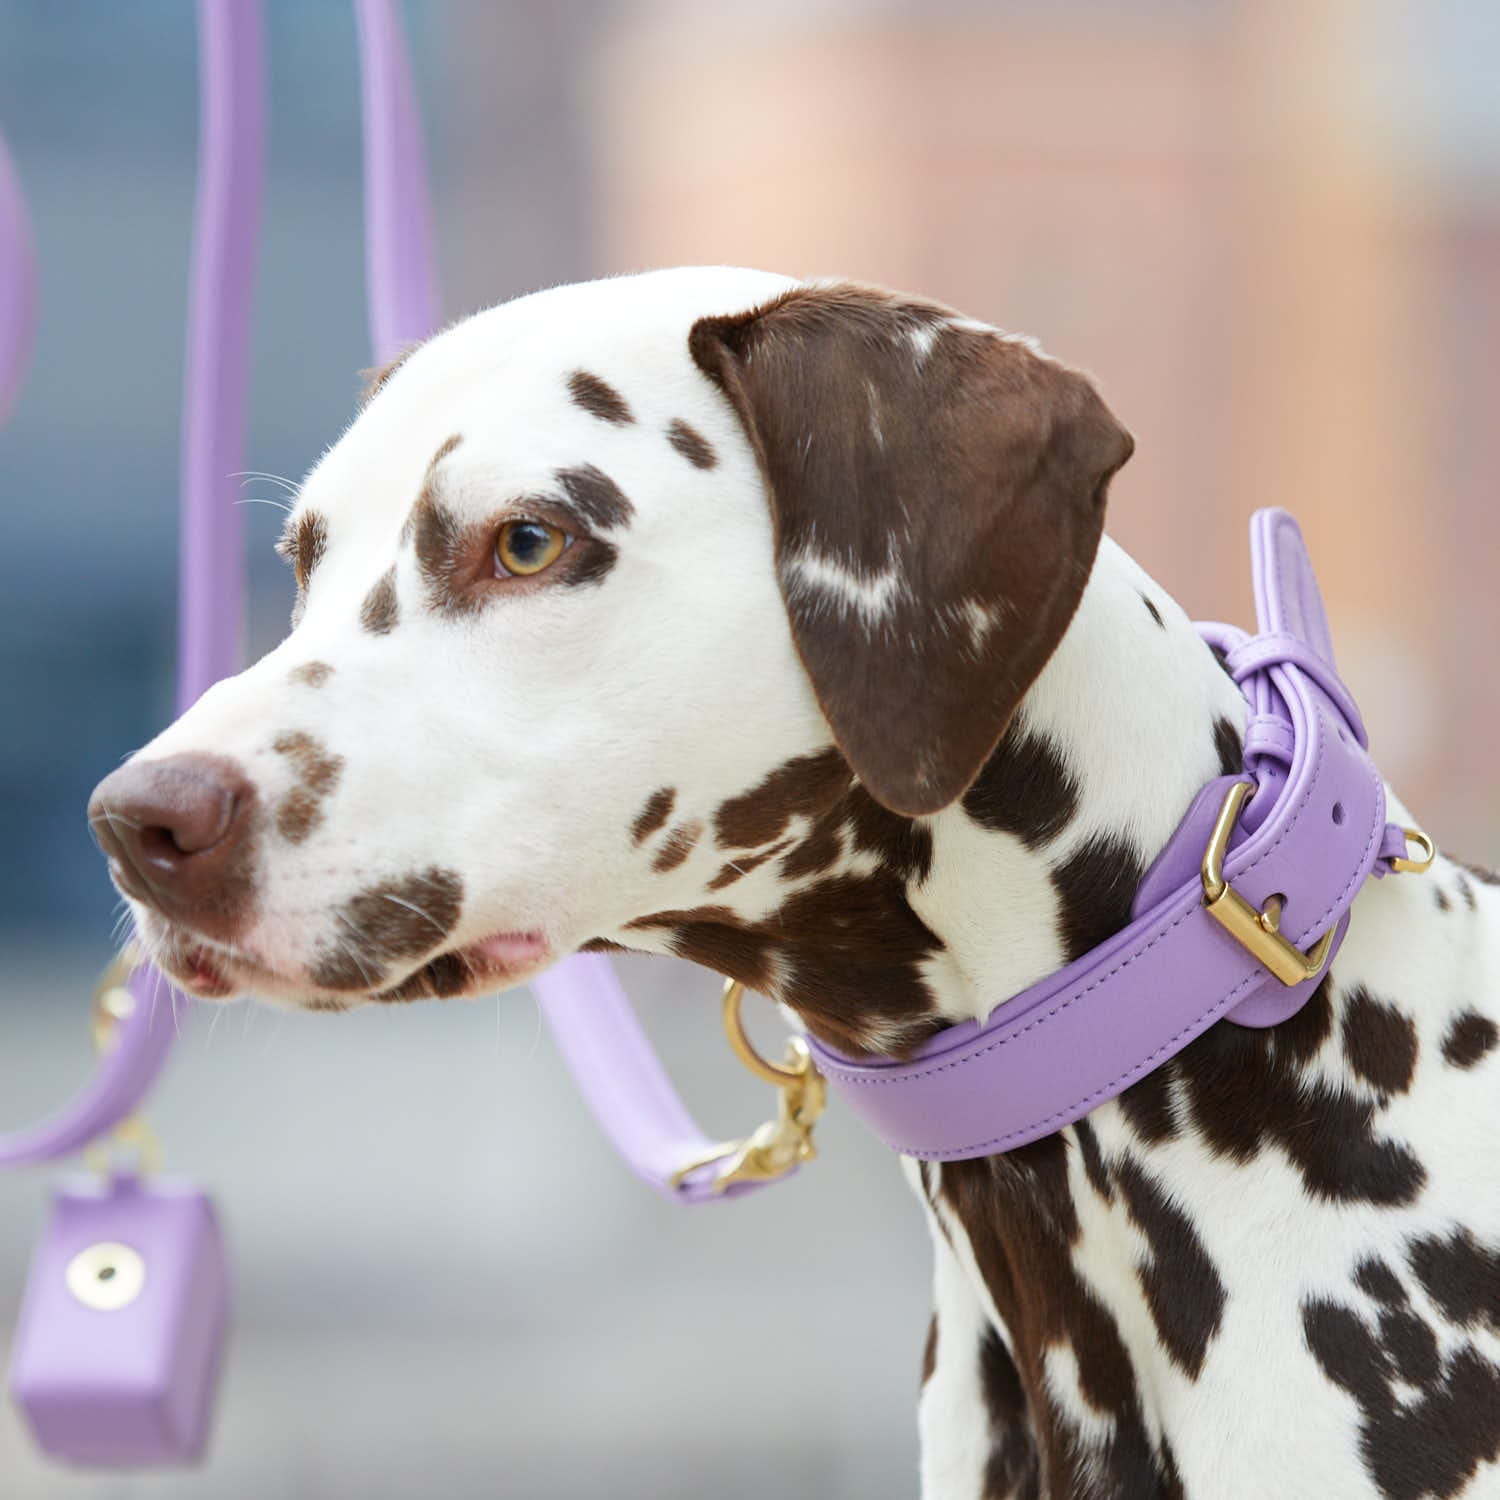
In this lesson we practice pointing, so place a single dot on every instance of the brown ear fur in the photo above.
(937, 492)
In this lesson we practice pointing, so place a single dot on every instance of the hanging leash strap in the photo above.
(211, 582)
(17, 284)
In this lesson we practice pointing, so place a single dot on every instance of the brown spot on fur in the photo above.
(299, 812)
(1461, 1276)
(1023, 789)
(380, 611)
(444, 545)
(1183, 1291)
(676, 847)
(1096, 885)
(1153, 611)
(594, 561)
(318, 770)
(1470, 1037)
(311, 674)
(1229, 748)
(598, 398)
(1022, 1225)
(846, 952)
(803, 786)
(303, 544)
(1011, 1468)
(1248, 1090)
(1380, 1042)
(386, 923)
(692, 445)
(1148, 1107)
(654, 814)
(596, 497)
(1093, 1160)
(990, 457)
(1418, 1446)
(1481, 874)
(376, 377)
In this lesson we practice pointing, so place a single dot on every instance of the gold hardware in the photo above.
(780, 1144)
(113, 1002)
(1425, 844)
(1258, 931)
(106, 1276)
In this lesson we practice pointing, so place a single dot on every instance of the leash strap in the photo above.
(1314, 829)
(211, 587)
(587, 1011)
(17, 284)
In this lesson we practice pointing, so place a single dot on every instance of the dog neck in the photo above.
(880, 930)
(1041, 860)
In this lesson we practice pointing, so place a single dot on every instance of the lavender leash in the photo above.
(211, 592)
(587, 1010)
(17, 285)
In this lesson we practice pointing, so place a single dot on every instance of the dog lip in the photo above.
(198, 972)
(509, 949)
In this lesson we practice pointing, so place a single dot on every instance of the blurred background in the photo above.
(1270, 227)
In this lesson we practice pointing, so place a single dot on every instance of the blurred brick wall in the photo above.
(1198, 205)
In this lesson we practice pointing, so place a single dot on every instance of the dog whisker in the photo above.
(280, 479)
(411, 906)
(352, 951)
(275, 1032)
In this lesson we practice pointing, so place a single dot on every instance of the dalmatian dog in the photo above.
(769, 624)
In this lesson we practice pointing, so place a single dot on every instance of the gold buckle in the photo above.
(113, 1003)
(780, 1144)
(1255, 930)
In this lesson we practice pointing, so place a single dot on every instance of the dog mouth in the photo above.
(211, 970)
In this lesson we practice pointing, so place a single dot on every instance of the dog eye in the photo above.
(526, 547)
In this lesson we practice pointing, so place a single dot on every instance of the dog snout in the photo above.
(178, 832)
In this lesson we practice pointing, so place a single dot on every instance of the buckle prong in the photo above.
(1258, 931)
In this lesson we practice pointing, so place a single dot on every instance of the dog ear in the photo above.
(937, 495)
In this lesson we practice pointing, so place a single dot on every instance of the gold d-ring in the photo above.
(1425, 844)
(744, 1049)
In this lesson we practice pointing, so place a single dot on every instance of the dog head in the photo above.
(605, 598)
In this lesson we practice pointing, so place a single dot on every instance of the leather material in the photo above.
(1311, 834)
(623, 1082)
(133, 1383)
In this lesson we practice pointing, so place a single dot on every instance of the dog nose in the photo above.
(177, 832)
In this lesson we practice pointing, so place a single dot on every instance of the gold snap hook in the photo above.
(113, 1003)
(781, 1144)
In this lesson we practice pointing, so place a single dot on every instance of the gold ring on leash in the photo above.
(780, 1144)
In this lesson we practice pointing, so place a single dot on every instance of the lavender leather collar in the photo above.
(1313, 830)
